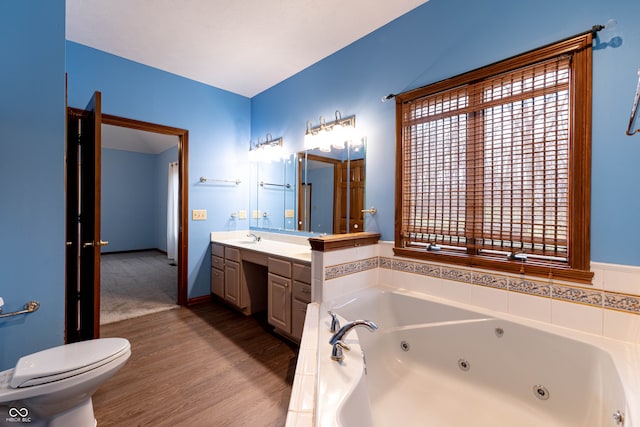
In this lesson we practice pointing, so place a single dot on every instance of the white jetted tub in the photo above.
(436, 363)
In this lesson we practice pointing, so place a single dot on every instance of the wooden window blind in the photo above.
(493, 164)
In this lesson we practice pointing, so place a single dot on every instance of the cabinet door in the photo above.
(279, 296)
(298, 313)
(217, 282)
(232, 282)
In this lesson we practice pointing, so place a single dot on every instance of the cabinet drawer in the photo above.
(302, 291)
(217, 262)
(217, 249)
(302, 273)
(280, 267)
(259, 258)
(232, 254)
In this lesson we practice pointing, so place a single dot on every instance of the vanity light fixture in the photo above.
(337, 134)
(266, 151)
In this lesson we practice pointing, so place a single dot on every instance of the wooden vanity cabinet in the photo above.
(217, 269)
(289, 293)
(279, 294)
(226, 280)
(301, 294)
(253, 281)
(232, 279)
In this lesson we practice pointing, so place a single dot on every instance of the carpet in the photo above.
(133, 284)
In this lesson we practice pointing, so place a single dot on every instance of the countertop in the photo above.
(295, 247)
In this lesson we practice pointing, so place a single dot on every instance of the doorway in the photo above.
(183, 161)
(139, 200)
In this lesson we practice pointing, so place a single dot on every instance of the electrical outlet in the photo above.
(255, 214)
(242, 214)
(198, 214)
(288, 213)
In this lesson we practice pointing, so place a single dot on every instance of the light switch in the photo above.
(242, 214)
(199, 214)
(255, 214)
(288, 213)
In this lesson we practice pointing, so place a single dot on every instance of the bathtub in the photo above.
(436, 363)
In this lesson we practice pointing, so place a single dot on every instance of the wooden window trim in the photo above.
(578, 266)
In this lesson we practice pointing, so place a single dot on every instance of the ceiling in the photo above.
(127, 139)
(243, 46)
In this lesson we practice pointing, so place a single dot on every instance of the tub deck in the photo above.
(438, 363)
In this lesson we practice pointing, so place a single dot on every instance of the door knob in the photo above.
(100, 243)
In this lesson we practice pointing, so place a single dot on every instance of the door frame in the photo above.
(183, 193)
(303, 157)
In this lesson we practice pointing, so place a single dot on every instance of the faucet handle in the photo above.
(335, 323)
(336, 352)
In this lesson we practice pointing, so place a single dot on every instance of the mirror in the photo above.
(311, 192)
(331, 189)
(273, 194)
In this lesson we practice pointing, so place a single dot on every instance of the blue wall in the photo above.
(134, 199)
(218, 123)
(32, 211)
(444, 38)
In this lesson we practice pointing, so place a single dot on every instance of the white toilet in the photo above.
(53, 387)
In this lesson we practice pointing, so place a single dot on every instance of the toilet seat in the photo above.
(65, 361)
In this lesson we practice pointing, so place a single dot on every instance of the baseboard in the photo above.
(198, 300)
(131, 251)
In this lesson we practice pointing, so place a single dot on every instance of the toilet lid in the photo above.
(66, 360)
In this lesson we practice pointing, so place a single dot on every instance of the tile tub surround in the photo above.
(303, 392)
(609, 307)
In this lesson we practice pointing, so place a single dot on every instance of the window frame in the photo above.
(577, 267)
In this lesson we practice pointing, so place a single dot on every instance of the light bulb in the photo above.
(309, 141)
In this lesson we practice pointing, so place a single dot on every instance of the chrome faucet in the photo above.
(255, 238)
(335, 323)
(337, 339)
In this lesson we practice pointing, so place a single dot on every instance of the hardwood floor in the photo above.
(202, 366)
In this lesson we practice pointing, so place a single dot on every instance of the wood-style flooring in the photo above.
(207, 365)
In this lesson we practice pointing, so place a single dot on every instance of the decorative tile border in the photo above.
(577, 295)
(490, 281)
(622, 302)
(530, 287)
(335, 271)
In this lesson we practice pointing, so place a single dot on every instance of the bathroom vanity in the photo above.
(254, 276)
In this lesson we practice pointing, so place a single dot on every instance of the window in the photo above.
(494, 165)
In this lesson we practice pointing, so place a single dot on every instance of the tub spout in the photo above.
(337, 339)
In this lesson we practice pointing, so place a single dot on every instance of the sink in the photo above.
(287, 250)
(244, 242)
